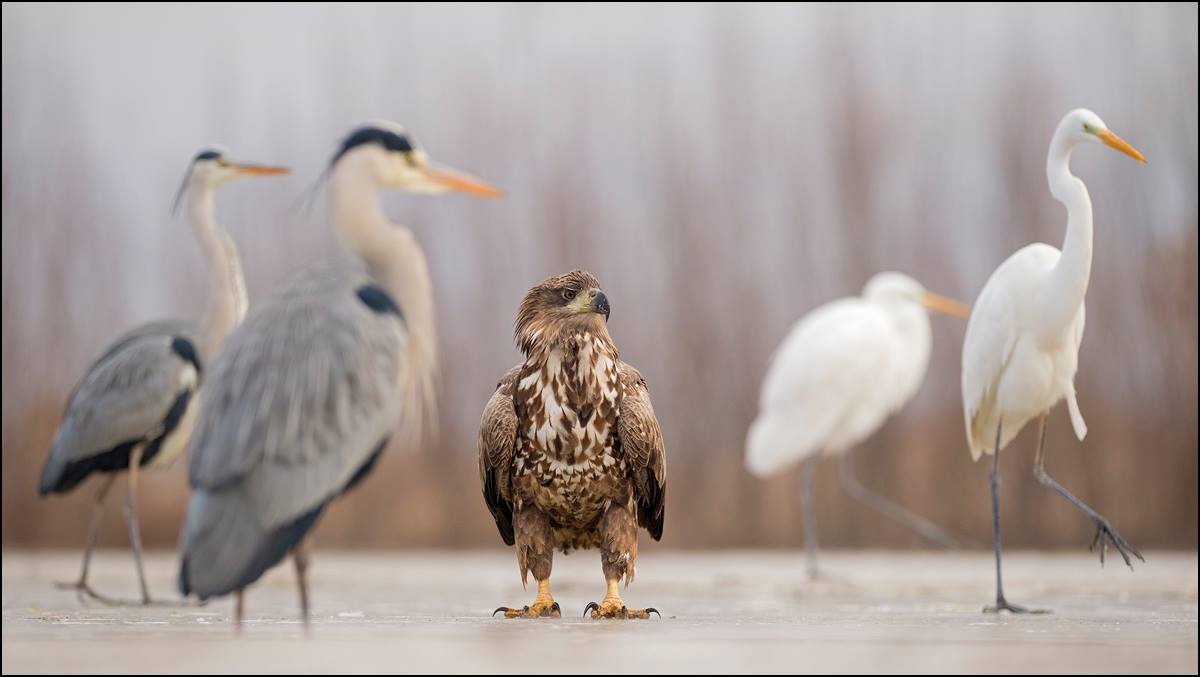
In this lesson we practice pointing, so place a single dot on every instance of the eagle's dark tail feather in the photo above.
(501, 510)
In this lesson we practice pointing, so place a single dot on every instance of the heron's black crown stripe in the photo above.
(389, 140)
(207, 155)
(378, 300)
(184, 349)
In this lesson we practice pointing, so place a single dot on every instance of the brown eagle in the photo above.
(570, 453)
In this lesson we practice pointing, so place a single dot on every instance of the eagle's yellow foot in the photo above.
(537, 610)
(615, 608)
(543, 606)
(612, 606)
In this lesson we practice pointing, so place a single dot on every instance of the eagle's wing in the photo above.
(497, 439)
(642, 441)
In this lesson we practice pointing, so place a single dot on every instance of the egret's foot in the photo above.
(85, 592)
(540, 609)
(1104, 534)
(1002, 605)
(613, 607)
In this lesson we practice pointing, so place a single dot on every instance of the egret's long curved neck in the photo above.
(395, 260)
(227, 301)
(1069, 279)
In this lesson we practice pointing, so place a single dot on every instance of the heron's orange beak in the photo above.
(461, 182)
(946, 305)
(1113, 141)
(262, 170)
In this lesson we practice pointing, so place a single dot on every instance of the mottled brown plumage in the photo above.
(570, 453)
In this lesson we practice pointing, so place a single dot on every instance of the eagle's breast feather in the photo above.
(567, 402)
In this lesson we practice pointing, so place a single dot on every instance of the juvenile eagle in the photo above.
(570, 453)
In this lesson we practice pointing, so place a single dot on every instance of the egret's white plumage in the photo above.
(1021, 349)
(843, 369)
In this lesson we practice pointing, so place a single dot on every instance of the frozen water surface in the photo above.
(722, 612)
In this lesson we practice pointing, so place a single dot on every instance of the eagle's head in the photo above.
(560, 308)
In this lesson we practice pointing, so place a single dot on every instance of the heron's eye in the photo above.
(222, 162)
(411, 160)
(568, 294)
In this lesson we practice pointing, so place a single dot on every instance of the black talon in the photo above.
(555, 608)
(499, 609)
(652, 610)
(589, 607)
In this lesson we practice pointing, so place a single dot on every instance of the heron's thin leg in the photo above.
(810, 516)
(131, 519)
(301, 557)
(919, 524)
(93, 531)
(1104, 530)
(238, 609)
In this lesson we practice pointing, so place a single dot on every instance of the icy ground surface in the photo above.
(722, 611)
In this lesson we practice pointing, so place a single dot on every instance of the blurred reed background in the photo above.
(722, 169)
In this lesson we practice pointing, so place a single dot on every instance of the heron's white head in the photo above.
(386, 154)
(213, 166)
(1083, 126)
(891, 287)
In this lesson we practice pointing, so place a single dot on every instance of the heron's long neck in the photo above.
(394, 260)
(226, 288)
(1069, 279)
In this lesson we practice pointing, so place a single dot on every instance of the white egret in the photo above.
(1021, 349)
(844, 368)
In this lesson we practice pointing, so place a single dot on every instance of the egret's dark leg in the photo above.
(994, 483)
(131, 519)
(301, 556)
(1104, 530)
(919, 524)
(239, 607)
(81, 586)
(810, 515)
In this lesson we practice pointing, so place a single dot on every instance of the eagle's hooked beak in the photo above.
(597, 303)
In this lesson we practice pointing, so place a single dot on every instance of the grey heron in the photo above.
(134, 406)
(298, 407)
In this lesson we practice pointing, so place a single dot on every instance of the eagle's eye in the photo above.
(568, 294)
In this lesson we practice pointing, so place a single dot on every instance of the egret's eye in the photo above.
(1088, 128)
(568, 294)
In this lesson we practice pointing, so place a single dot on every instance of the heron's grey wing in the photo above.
(294, 411)
(641, 439)
(136, 392)
(497, 439)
